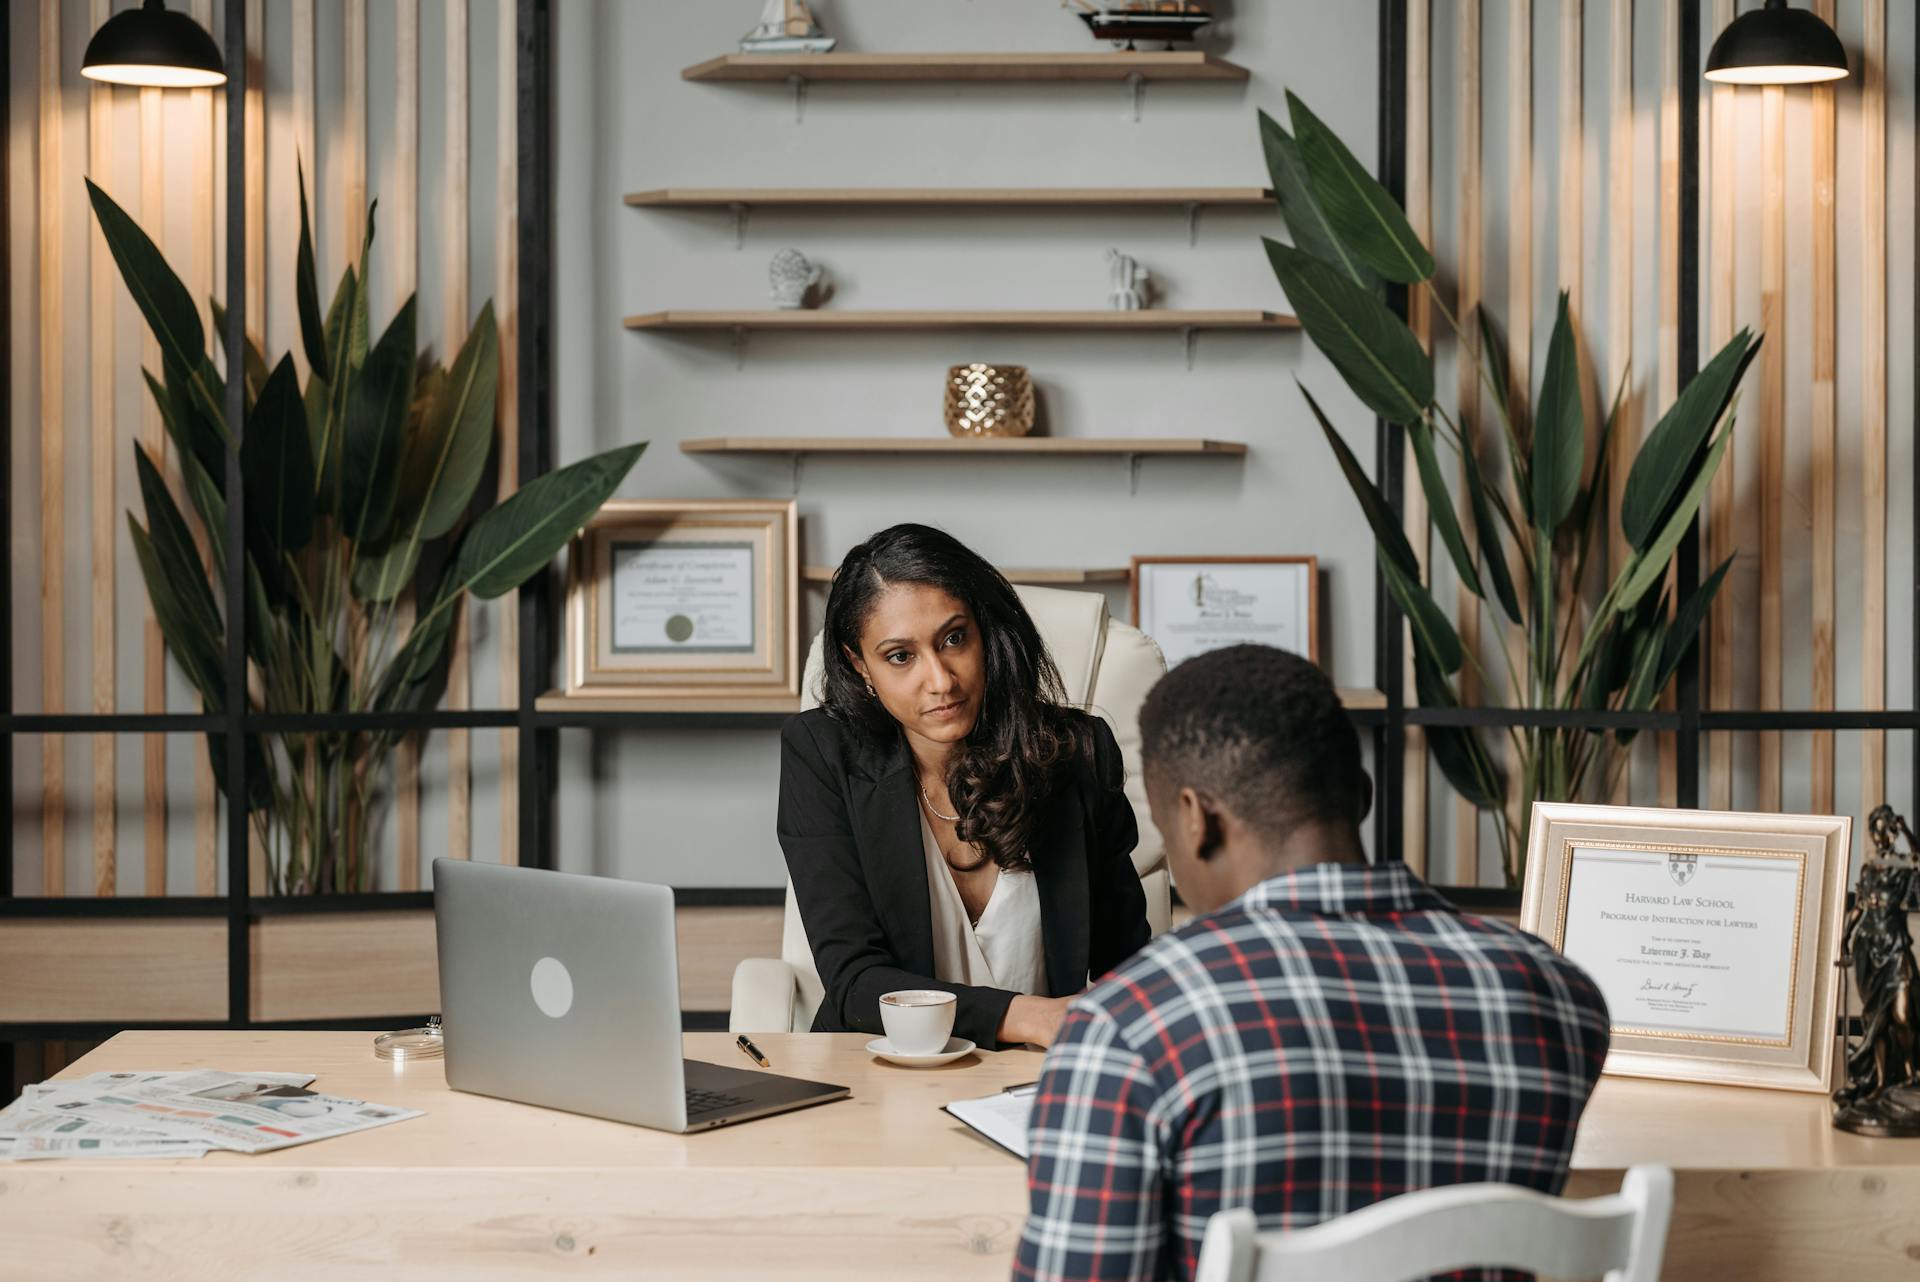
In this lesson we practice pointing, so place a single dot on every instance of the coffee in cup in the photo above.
(919, 1021)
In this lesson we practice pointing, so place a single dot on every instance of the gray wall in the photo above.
(697, 808)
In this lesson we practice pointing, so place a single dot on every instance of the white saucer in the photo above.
(955, 1048)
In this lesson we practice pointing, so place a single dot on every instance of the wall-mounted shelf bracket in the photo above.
(1193, 223)
(1137, 90)
(1133, 474)
(799, 86)
(1191, 338)
(739, 346)
(739, 212)
(795, 463)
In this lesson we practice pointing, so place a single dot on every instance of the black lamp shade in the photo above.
(152, 46)
(1776, 45)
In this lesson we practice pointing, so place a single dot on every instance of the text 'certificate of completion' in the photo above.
(686, 597)
(1694, 945)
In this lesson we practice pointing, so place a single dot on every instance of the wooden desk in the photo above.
(883, 1185)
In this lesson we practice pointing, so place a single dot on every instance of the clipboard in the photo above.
(1000, 1117)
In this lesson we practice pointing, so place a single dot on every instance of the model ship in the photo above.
(786, 26)
(1123, 23)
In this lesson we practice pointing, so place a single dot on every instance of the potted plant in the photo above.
(1533, 537)
(359, 491)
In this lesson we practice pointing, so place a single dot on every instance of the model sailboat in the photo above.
(1126, 21)
(786, 26)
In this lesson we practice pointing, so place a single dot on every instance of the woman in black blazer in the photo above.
(943, 739)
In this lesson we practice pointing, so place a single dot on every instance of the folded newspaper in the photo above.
(178, 1114)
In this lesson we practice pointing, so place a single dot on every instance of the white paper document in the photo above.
(1001, 1117)
(1693, 944)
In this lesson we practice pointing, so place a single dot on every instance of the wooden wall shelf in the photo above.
(1057, 445)
(848, 321)
(558, 701)
(1062, 578)
(939, 197)
(1112, 66)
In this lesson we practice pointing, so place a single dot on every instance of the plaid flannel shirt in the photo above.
(1333, 1037)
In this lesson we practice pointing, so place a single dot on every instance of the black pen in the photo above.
(749, 1049)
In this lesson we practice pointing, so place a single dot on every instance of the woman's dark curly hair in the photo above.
(1024, 739)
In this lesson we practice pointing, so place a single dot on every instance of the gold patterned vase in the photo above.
(989, 400)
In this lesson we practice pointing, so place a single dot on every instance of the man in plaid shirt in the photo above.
(1325, 1035)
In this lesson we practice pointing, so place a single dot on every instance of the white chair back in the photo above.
(1077, 631)
(1622, 1236)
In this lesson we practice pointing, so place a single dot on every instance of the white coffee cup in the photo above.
(918, 1020)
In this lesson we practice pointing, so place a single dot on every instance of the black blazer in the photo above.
(850, 826)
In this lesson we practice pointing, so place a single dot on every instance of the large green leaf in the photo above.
(1440, 505)
(306, 288)
(375, 430)
(1493, 347)
(1433, 633)
(512, 542)
(1672, 452)
(1649, 565)
(1387, 534)
(256, 363)
(1686, 623)
(382, 573)
(1649, 640)
(179, 560)
(162, 299)
(276, 463)
(1559, 429)
(326, 422)
(1358, 207)
(1488, 532)
(193, 434)
(197, 649)
(457, 432)
(1458, 751)
(1300, 209)
(1373, 349)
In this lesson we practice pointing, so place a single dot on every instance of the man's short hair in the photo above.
(1260, 729)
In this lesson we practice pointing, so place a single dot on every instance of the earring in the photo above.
(870, 693)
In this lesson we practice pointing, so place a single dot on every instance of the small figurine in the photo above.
(1128, 282)
(1125, 21)
(1882, 1093)
(786, 26)
(792, 277)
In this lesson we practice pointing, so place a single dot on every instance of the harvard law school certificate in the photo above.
(1696, 945)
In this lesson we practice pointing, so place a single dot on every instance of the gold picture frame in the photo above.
(695, 598)
(1712, 934)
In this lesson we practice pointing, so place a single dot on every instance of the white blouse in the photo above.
(1004, 949)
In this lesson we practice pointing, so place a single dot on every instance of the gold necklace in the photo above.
(933, 810)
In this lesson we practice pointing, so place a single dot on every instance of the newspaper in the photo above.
(179, 1114)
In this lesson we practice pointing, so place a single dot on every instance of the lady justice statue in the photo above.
(1882, 1092)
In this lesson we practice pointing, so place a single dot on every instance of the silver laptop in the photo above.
(564, 991)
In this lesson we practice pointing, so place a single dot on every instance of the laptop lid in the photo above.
(561, 990)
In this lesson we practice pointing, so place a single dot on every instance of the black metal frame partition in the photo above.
(539, 731)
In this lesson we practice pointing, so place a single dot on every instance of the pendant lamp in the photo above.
(154, 47)
(1776, 45)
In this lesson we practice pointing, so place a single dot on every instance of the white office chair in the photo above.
(1417, 1235)
(1107, 668)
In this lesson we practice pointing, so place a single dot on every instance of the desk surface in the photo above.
(882, 1185)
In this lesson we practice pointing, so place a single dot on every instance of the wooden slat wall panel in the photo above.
(1667, 363)
(1519, 296)
(102, 283)
(81, 969)
(1824, 427)
(507, 267)
(153, 436)
(352, 139)
(53, 541)
(256, 172)
(1470, 258)
(1722, 302)
(199, 168)
(1872, 226)
(454, 229)
(1626, 434)
(1773, 425)
(1413, 806)
(406, 260)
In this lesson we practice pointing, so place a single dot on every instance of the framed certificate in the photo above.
(1713, 936)
(1192, 604)
(693, 598)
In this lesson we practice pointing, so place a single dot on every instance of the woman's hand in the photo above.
(1034, 1021)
